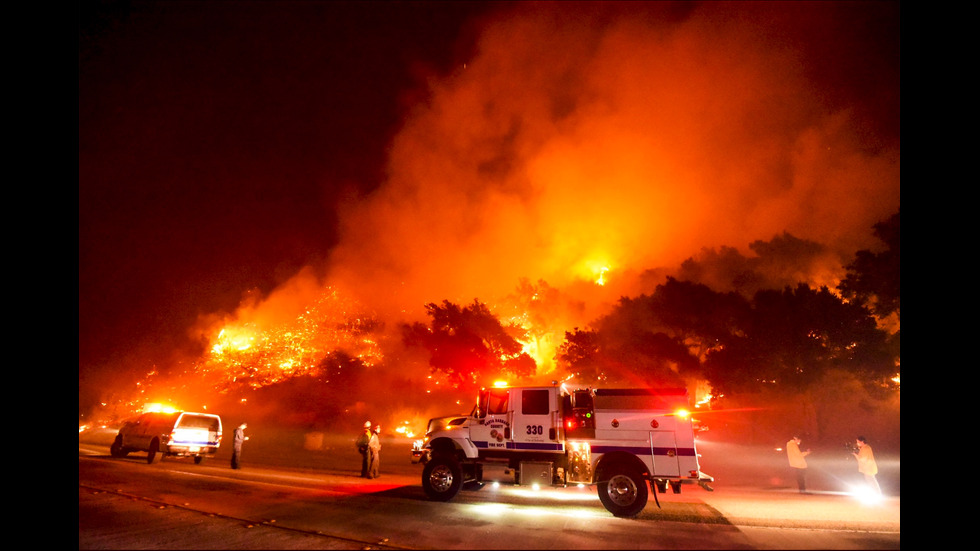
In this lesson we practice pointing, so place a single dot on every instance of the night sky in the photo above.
(450, 148)
(215, 139)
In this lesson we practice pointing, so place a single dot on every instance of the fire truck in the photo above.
(615, 439)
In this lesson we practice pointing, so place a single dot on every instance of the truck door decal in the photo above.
(535, 414)
(491, 435)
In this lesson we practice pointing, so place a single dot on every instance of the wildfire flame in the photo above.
(669, 187)
(262, 354)
(256, 350)
(230, 340)
(601, 280)
(405, 430)
(159, 408)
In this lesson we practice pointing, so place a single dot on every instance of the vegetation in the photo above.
(470, 344)
(789, 338)
(816, 357)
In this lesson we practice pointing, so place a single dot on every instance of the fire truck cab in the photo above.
(617, 439)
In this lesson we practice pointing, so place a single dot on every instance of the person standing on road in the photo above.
(236, 446)
(374, 449)
(362, 447)
(797, 461)
(866, 463)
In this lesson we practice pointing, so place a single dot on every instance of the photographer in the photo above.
(866, 463)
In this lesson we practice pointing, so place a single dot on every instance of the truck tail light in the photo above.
(578, 420)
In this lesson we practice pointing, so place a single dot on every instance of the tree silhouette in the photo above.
(793, 337)
(874, 279)
(470, 345)
(579, 356)
(787, 339)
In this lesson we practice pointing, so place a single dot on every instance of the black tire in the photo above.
(117, 449)
(442, 478)
(154, 455)
(198, 459)
(623, 493)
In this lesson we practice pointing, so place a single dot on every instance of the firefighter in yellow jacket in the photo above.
(797, 461)
(866, 463)
(362, 447)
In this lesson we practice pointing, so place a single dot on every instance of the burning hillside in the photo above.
(572, 157)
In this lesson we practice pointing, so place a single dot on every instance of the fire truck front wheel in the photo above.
(442, 478)
(623, 494)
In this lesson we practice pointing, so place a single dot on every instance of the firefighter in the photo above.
(236, 445)
(362, 447)
(374, 450)
(866, 463)
(797, 461)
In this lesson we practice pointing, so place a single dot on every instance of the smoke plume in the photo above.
(583, 143)
(624, 142)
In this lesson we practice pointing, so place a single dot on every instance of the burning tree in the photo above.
(470, 345)
(784, 338)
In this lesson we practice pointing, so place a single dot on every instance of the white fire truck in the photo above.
(617, 439)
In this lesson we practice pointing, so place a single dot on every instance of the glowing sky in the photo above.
(415, 152)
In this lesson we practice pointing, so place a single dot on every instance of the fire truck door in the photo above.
(535, 420)
(664, 444)
(493, 428)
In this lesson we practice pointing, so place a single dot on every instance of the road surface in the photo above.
(127, 504)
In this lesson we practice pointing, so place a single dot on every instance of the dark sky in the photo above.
(216, 140)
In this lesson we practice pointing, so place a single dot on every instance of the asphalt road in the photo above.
(284, 506)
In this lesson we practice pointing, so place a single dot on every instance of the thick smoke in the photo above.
(621, 142)
(565, 145)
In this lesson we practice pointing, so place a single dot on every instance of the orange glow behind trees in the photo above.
(631, 150)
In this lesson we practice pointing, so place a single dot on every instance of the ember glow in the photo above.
(159, 408)
(405, 429)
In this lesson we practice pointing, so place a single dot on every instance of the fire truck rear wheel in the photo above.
(442, 478)
(624, 494)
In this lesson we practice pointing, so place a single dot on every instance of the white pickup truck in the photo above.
(179, 434)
